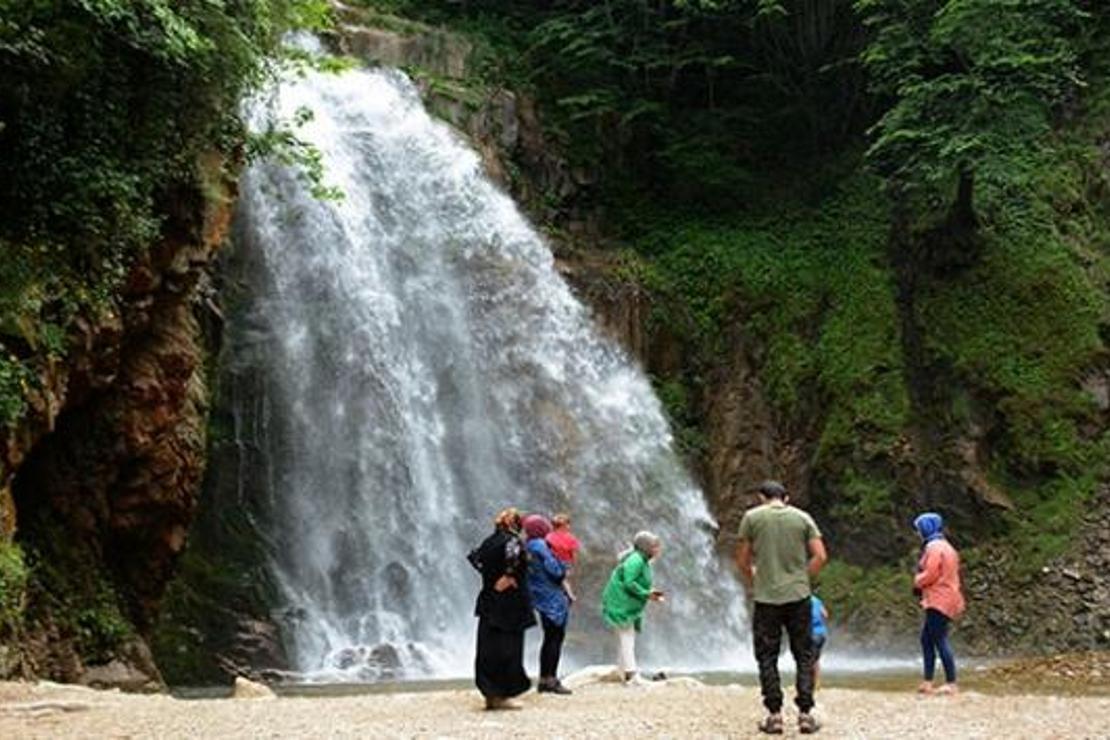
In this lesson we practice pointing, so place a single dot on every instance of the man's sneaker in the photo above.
(771, 724)
(808, 724)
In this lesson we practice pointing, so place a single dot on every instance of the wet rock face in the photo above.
(436, 51)
(746, 443)
(105, 471)
(620, 308)
(134, 671)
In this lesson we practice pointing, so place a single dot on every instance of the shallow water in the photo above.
(848, 671)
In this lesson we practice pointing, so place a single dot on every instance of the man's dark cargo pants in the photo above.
(767, 626)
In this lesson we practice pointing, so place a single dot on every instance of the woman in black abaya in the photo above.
(504, 611)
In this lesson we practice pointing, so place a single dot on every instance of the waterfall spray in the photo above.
(425, 366)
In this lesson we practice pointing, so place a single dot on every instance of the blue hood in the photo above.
(930, 526)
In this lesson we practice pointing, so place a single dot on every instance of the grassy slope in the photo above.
(1015, 334)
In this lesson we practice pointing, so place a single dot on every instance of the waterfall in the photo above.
(425, 366)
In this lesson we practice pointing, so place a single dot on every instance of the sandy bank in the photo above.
(50, 711)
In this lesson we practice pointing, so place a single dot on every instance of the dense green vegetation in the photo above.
(818, 306)
(688, 98)
(105, 109)
(13, 583)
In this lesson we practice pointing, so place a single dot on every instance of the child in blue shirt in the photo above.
(819, 633)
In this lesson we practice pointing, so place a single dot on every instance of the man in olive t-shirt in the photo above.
(787, 550)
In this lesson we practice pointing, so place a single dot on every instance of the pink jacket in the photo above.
(939, 579)
(564, 545)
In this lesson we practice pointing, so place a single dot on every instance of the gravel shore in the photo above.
(671, 710)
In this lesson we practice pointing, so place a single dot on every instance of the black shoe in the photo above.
(552, 687)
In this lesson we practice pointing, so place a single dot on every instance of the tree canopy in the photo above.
(970, 87)
(692, 96)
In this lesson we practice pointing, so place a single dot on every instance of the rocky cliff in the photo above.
(100, 476)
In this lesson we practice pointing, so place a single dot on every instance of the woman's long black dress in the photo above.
(502, 617)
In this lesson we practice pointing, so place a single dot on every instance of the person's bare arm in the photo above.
(744, 561)
(817, 556)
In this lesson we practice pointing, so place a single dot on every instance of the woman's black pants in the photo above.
(552, 647)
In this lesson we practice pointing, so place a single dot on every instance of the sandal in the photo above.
(771, 724)
(808, 724)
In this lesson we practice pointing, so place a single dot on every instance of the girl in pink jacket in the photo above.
(938, 581)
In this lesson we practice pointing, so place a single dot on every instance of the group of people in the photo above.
(525, 565)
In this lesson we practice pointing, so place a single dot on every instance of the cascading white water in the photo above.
(426, 366)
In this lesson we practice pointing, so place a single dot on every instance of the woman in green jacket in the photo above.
(625, 596)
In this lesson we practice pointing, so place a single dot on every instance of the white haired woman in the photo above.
(625, 596)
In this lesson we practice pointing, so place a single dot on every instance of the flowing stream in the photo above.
(426, 366)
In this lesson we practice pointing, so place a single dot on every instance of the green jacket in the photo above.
(624, 597)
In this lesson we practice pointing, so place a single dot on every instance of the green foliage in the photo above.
(973, 85)
(678, 97)
(67, 585)
(800, 282)
(862, 497)
(280, 142)
(682, 413)
(814, 302)
(879, 595)
(105, 109)
(14, 378)
(1024, 325)
(108, 103)
(100, 628)
(1046, 520)
(13, 586)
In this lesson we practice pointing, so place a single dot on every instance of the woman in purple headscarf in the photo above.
(549, 598)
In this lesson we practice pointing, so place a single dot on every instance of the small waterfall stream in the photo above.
(426, 366)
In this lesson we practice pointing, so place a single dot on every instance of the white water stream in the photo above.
(426, 366)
